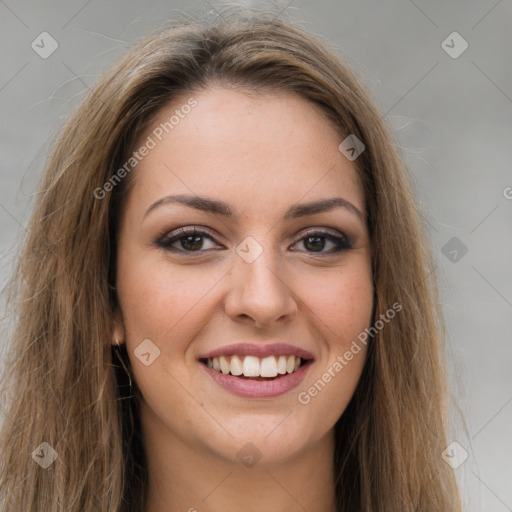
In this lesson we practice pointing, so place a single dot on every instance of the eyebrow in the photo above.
(217, 207)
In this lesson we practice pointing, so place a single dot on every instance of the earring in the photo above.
(118, 353)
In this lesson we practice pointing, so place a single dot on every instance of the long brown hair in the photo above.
(62, 384)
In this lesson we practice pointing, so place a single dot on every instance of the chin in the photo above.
(270, 438)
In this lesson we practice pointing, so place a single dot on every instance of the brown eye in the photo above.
(190, 240)
(316, 242)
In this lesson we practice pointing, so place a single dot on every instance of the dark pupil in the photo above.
(318, 245)
(196, 244)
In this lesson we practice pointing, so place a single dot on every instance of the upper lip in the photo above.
(250, 349)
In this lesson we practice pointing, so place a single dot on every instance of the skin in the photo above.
(260, 155)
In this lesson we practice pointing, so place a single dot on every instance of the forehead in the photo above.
(253, 149)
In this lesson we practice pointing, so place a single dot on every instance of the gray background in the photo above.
(452, 117)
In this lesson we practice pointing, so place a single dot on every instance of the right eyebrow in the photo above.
(199, 203)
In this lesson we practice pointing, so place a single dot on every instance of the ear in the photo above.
(119, 331)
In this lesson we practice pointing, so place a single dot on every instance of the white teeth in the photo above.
(252, 366)
(269, 366)
(236, 366)
(224, 365)
(281, 365)
(290, 364)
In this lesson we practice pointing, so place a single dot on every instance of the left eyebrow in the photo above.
(300, 210)
(220, 208)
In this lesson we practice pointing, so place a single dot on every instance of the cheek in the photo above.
(342, 305)
(167, 306)
(158, 301)
(341, 301)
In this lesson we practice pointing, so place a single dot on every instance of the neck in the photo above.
(194, 479)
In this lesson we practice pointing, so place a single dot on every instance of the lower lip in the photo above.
(259, 388)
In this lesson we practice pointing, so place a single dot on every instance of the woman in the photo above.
(225, 300)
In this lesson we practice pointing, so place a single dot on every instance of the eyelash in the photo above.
(165, 242)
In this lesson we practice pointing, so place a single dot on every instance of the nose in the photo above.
(259, 293)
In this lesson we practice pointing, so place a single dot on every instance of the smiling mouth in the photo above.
(255, 368)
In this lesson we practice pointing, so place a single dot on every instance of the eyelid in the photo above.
(168, 238)
(342, 241)
(323, 231)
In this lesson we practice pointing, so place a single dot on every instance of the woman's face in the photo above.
(267, 279)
